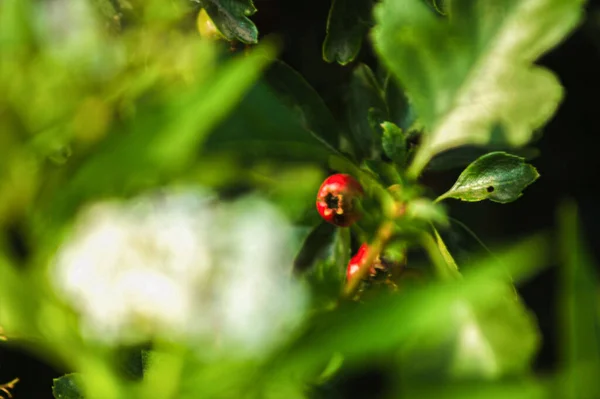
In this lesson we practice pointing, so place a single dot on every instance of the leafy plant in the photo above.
(143, 162)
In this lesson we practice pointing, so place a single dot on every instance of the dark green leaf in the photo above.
(347, 25)
(67, 387)
(402, 112)
(231, 18)
(365, 104)
(393, 143)
(314, 247)
(301, 98)
(473, 71)
(497, 176)
(265, 129)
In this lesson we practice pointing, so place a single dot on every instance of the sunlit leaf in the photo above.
(498, 176)
(471, 77)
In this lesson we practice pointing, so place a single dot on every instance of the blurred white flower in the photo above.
(181, 266)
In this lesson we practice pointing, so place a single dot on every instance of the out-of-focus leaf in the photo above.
(498, 176)
(347, 25)
(67, 387)
(440, 6)
(231, 18)
(314, 246)
(579, 309)
(471, 76)
(304, 101)
(163, 141)
(393, 143)
(366, 110)
(387, 322)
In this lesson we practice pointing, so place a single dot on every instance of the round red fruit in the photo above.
(357, 262)
(336, 199)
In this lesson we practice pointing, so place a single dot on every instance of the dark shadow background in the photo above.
(569, 164)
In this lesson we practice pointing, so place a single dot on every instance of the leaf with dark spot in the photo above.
(497, 176)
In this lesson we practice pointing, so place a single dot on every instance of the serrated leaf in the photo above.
(365, 105)
(471, 76)
(66, 387)
(393, 143)
(231, 18)
(497, 176)
(347, 25)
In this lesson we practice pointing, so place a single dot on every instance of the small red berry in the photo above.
(335, 199)
(357, 261)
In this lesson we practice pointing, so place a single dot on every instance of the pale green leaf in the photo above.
(471, 76)
(497, 176)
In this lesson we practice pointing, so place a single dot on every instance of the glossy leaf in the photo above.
(471, 77)
(66, 387)
(498, 176)
(393, 143)
(347, 25)
(231, 18)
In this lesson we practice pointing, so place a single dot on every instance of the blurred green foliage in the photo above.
(105, 99)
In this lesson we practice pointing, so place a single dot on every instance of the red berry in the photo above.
(357, 261)
(335, 199)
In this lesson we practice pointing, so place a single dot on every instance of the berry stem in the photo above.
(384, 233)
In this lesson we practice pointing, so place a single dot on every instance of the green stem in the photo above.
(440, 256)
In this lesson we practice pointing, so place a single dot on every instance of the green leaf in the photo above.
(471, 76)
(231, 18)
(366, 110)
(347, 25)
(579, 310)
(314, 246)
(163, 140)
(495, 338)
(402, 112)
(300, 97)
(354, 330)
(393, 143)
(67, 387)
(497, 176)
